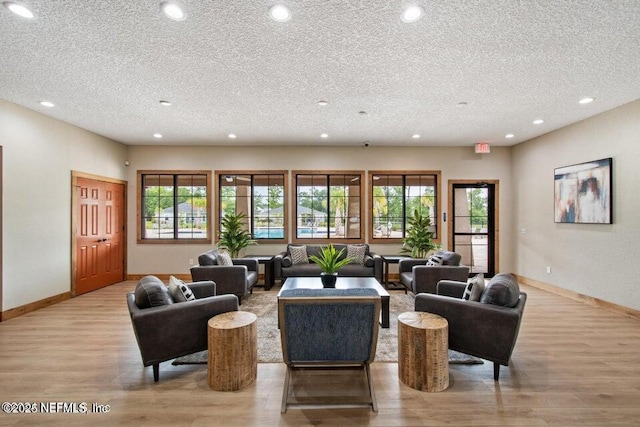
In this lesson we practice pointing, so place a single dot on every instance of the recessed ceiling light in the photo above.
(586, 100)
(280, 13)
(324, 135)
(157, 135)
(232, 136)
(18, 9)
(538, 122)
(322, 103)
(47, 104)
(415, 136)
(172, 10)
(509, 135)
(412, 13)
(165, 103)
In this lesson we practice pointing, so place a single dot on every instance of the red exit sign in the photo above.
(482, 147)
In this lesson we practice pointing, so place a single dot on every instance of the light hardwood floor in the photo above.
(573, 365)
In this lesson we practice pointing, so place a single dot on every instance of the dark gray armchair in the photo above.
(418, 277)
(483, 330)
(237, 279)
(166, 329)
(329, 328)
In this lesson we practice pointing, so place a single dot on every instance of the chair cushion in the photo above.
(475, 287)
(356, 253)
(151, 292)
(450, 258)
(180, 291)
(224, 258)
(501, 290)
(299, 255)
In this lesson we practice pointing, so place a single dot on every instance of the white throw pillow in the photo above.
(474, 289)
(179, 290)
(299, 254)
(356, 253)
(434, 260)
(223, 258)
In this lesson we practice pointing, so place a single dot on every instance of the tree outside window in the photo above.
(395, 197)
(328, 206)
(260, 196)
(174, 206)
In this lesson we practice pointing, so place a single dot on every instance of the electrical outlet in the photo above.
(190, 261)
(548, 269)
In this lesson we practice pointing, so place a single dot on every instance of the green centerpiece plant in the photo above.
(329, 262)
(234, 237)
(418, 241)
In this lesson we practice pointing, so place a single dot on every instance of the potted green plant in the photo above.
(234, 237)
(329, 262)
(418, 240)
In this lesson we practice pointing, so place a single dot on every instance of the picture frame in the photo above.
(583, 193)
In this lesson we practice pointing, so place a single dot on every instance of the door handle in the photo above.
(101, 240)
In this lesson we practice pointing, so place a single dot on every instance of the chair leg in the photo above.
(496, 371)
(372, 393)
(285, 391)
(156, 372)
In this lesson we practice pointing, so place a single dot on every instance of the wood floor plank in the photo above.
(573, 365)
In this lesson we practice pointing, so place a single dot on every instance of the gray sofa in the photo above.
(284, 267)
(417, 277)
(237, 279)
(166, 329)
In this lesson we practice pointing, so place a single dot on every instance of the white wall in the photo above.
(455, 163)
(39, 154)
(596, 260)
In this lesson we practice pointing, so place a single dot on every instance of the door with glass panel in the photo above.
(473, 231)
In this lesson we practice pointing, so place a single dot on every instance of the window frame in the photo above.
(327, 173)
(438, 200)
(139, 200)
(285, 193)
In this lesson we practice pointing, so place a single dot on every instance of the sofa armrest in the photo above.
(277, 265)
(451, 288)
(203, 289)
(377, 266)
(483, 330)
(250, 263)
(405, 265)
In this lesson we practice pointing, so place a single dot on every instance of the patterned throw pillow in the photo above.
(356, 253)
(434, 260)
(179, 290)
(474, 288)
(223, 258)
(299, 254)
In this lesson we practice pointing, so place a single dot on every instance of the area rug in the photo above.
(264, 306)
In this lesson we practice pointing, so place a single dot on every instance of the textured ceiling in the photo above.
(228, 68)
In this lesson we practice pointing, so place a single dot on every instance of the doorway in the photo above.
(98, 232)
(473, 231)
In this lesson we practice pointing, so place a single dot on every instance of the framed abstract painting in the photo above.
(583, 193)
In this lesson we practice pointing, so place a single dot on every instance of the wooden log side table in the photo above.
(423, 351)
(233, 350)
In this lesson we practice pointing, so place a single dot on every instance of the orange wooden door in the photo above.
(99, 234)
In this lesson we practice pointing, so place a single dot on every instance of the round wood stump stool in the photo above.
(423, 351)
(233, 350)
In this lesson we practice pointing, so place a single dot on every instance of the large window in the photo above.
(328, 206)
(260, 196)
(174, 207)
(395, 197)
